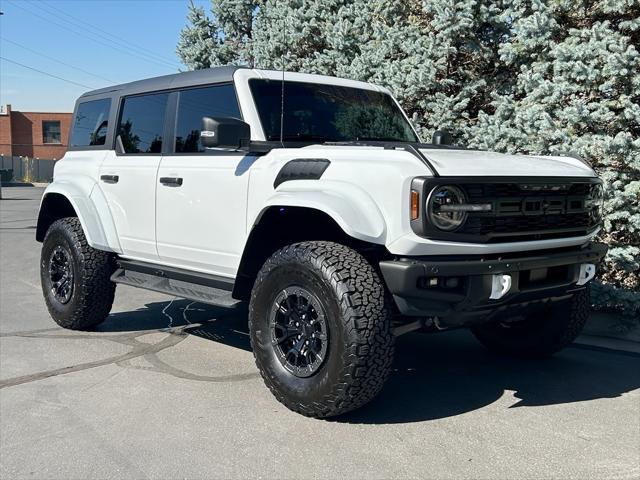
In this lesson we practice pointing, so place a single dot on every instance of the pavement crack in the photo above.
(176, 334)
(184, 313)
(164, 312)
(30, 284)
(30, 227)
(163, 367)
(28, 332)
(139, 350)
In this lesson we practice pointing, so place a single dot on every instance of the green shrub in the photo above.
(6, 175)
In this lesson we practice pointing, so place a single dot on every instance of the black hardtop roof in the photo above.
(176, 80)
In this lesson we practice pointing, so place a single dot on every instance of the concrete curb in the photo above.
(25, 184)
(612, 326)
(604, 343)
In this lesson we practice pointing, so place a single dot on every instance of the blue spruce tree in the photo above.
(523, 76)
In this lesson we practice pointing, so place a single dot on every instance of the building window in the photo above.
(51, 131)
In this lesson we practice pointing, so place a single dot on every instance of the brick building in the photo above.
(30, 142)
(36, 135)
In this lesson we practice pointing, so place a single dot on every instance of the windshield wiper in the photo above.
(300, 137)
(371, 142)
(383, 139)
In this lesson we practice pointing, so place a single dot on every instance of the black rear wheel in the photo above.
(539, 332)
(75, 278)
(320, 328)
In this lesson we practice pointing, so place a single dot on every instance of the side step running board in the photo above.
(179, 283)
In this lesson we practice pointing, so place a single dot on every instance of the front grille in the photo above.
(520, 210)
(547, 210)
(477, 225)
(497, 190)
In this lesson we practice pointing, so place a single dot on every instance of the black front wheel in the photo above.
(320, 328)
(299, 330)
(75, 278)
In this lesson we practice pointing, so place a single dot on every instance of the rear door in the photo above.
(202, 193)
(129, 179)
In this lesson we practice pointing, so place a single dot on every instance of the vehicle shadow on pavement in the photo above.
(434, 375)
(447, 374)
(218, 324)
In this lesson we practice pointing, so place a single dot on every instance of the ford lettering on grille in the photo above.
(527, 211)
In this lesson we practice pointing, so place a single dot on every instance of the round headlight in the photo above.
(595, 200)
(598, 196)
(439, 215)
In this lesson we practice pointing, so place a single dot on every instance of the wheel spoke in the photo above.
(298, 303)
(298, 345)
(307, 355)
(286, 332)
(288, 301)
(296, 349)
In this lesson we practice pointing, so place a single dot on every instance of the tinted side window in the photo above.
(90, 123)
(195, 103)
(142, 123)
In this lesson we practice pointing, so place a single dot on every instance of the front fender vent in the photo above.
(301, 169)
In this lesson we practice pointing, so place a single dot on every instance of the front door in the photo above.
(202, 193)
(129, 179)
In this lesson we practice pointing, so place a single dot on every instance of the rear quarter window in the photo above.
(90, 123)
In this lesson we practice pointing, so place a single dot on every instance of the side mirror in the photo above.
(441, 137)
(224, 133)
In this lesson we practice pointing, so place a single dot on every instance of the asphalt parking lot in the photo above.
(167, 388)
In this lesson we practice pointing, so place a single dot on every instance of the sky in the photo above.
(88, 43)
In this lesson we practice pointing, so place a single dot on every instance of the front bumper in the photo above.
(457, 288)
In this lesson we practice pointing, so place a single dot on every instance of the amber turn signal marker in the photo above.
(415, 204)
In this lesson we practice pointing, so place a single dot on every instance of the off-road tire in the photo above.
(543, 333)
(361, 343)
(93, 291)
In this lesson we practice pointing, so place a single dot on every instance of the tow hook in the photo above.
(500, 285)
(587, 272)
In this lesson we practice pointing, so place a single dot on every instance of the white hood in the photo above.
(479, 163)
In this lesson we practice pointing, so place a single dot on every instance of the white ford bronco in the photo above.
(313, 199)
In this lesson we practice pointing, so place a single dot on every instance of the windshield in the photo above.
(320, 112)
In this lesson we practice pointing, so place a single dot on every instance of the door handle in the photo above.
(109, 178)
(171, 181)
